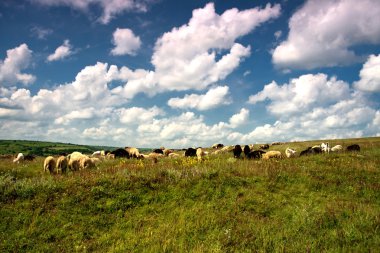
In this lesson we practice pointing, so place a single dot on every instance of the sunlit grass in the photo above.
(315, 203)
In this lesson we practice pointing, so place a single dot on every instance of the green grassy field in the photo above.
(320, 203)
(41, 148)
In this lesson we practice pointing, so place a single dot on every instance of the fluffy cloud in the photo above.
(213, 98)
(314, 107)
(110, 7)
(61, 52)
(185, 58)
(202, 52)
(125, 42)
(302, 94)
(10, 69)
(322, 33)
(137, 115)
(370, 75)
(239, 118)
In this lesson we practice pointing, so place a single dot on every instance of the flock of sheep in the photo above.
(78, 161)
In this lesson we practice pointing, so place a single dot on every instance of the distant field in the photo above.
(320, 203)
(41, 148)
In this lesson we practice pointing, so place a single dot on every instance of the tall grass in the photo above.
(315, 203)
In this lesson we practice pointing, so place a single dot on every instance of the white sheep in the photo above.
(272, 154)
(49, 164)
(174, 155)
(201, 154)
(20, 157)
(290, 152)
(133, 152)
(167, 152)
(337, 148)
(86, 163)
(62, 164)
(325, 147)
(74, 160)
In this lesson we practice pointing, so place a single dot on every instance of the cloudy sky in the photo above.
(152, 73)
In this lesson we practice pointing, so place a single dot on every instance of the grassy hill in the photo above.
(320, 203)
(41, 148)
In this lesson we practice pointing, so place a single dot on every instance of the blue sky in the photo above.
(188, 73)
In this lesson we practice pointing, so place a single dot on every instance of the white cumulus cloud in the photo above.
(201, 52)
(313, 107)
(125, 42)
(370, 75)
(239, 118)
(302, 94)
(61, 52)
(17, 59)
(323, 32)
(213, 98)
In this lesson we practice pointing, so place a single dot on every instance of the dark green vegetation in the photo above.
(41, 148)
(321, 203)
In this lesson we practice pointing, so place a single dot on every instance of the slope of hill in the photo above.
(318, 203)
(42, 148)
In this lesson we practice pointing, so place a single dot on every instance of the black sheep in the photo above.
(120, 152)
(246, 151)
(191, 152)
(353, 147)
(158, 151)
(237, 151)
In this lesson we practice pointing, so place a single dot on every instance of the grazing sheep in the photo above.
(110, 156)
(95, 160)
(49, 164)
(200, 154)
(73, 164)
(325, 147)
(73, 160)
(311, 151)
(337, 148)
(246, 151)
(29, 157)
(174, 155)
(256, 154)
(264, 146)
(158, 151)
(305, 152)
(133, 152)
(167, 152)
(20, 157)
(120, 152)
(96, 153)
(237, 151)
(62, 164)
(86, 163)
(155, 155)
(227, 148)
(272, 154)
(217, 145)
(216, 152)
(191, 152)
(290, 152)
(353, 147)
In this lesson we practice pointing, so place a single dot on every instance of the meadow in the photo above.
(319, 203)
